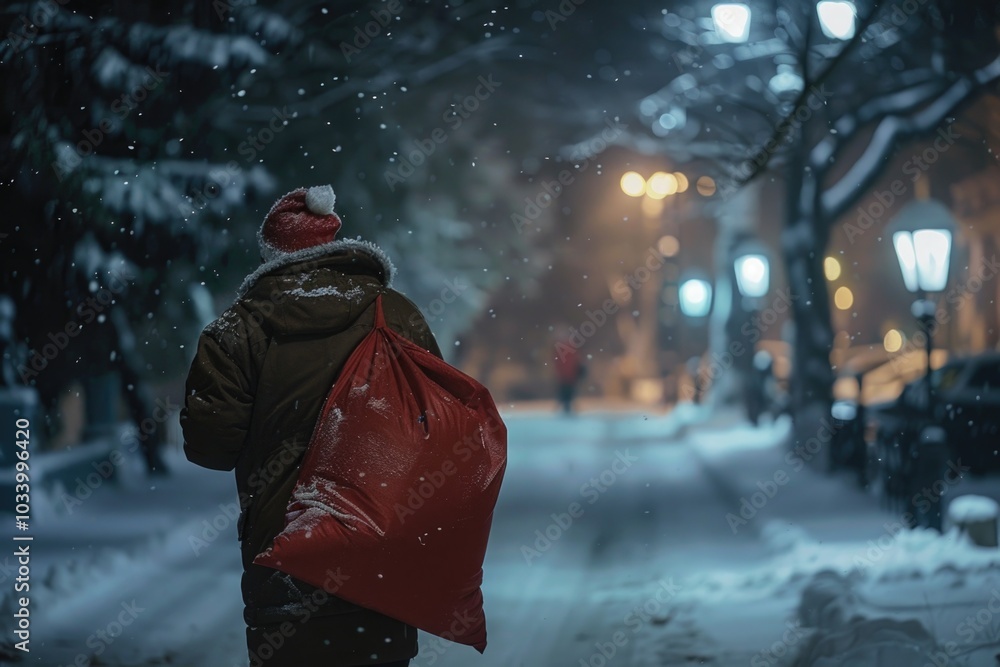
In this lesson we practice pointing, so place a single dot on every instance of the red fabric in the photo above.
(397, 489)
(291, 226)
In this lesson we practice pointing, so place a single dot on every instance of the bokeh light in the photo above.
(661, 184)
(843, 298)
(682, 181)
(831, 267)
(705, 186)
(893, 340)
(633, 184)
(669, 246)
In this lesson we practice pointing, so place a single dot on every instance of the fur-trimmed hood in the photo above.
(316, 253)
(316, 290)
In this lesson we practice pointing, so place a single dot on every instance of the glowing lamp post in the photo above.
(921, 237)
(752, 272)
(731, 21)
(753, 275)
(695, 296)
(633, 184)
(836, 18)
(653, 192)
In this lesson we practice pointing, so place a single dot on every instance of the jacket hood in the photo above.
(318, 289)
(318, 252)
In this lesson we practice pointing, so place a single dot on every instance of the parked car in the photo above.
(966, 404)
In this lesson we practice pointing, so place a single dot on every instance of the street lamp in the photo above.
(732, 21)
(658, 186)
(695, 296)
(836, 18)
(921, 237)
(695, 299)
(633, 184)
(753, 275)
(653, 193)
(661, 185)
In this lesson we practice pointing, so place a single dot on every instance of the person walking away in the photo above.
(258, 381)
(569, 371)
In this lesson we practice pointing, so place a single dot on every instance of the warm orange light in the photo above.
(893, 340)
(633, 184)
(843, 298)
(668, 245)
(831, 267)
(661, 184)
(682, 181)
(705, 186)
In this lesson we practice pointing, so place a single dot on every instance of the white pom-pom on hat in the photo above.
(321, 199)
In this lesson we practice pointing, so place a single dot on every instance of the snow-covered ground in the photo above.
(620, 539)
(846, 584)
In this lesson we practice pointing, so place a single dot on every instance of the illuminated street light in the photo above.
(633, 184)
(924, 257)
(682, 181)
(695, 297)
(732, 21)
(753, 275)
(843, 298)
(893, 340)
(921, 235)
(652, 193)
(836, 18)
(705, 186)
(831, 267)
(661, 184)
(668, 245)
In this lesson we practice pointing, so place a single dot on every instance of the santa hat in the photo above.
(302, 219)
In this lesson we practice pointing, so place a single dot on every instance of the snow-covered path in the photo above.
(637, 515)
(140, 578)
(643, 529)
(611, 546)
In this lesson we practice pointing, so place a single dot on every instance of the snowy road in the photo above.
(648, 513)
(141, 589)
(601, 525)
(599, 521)
(597, 515)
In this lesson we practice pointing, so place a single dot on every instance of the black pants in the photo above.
(566, 393)
(401, 663)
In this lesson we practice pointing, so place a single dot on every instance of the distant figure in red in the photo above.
(569, 371)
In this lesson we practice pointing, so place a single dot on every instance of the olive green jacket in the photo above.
(255, 389)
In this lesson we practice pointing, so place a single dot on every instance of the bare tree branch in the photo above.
(894, 103)
(785, 126)
(892, 129)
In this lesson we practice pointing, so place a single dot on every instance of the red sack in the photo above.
(397, 489)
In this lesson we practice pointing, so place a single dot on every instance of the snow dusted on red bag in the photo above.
(398, 488)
